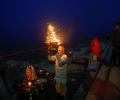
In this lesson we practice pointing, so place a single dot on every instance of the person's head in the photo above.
(95, 39)
(60, 50)
(117, 27)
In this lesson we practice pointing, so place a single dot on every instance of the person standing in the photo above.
(116, 45)
(60, 59)
(95, 49)
(95, 54)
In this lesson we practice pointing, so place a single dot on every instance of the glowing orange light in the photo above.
(51, 36)
(29, 83)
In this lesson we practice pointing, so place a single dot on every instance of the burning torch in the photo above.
(51, 40)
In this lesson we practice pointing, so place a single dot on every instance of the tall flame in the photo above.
(51, 36)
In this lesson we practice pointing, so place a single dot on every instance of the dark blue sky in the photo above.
(24, 21)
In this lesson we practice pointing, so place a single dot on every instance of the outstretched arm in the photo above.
(51, 58)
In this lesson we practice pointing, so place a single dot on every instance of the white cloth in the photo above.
(60, 67)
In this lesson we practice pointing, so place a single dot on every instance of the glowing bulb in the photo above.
(29, 83)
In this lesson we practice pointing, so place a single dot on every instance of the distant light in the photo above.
(29, 83)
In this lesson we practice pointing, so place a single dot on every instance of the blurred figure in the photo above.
(107, 37)
(30, 73)
(95, 55)
(60, 60)
(116, 45)
(95, 49)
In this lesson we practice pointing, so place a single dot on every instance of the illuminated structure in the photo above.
(30, 73)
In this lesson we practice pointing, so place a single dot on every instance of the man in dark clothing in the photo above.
(116, 45)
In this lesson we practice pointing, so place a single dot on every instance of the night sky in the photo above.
(24, 21)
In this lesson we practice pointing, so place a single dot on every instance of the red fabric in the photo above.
(95, 47)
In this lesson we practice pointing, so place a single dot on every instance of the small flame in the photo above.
(51, 36)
